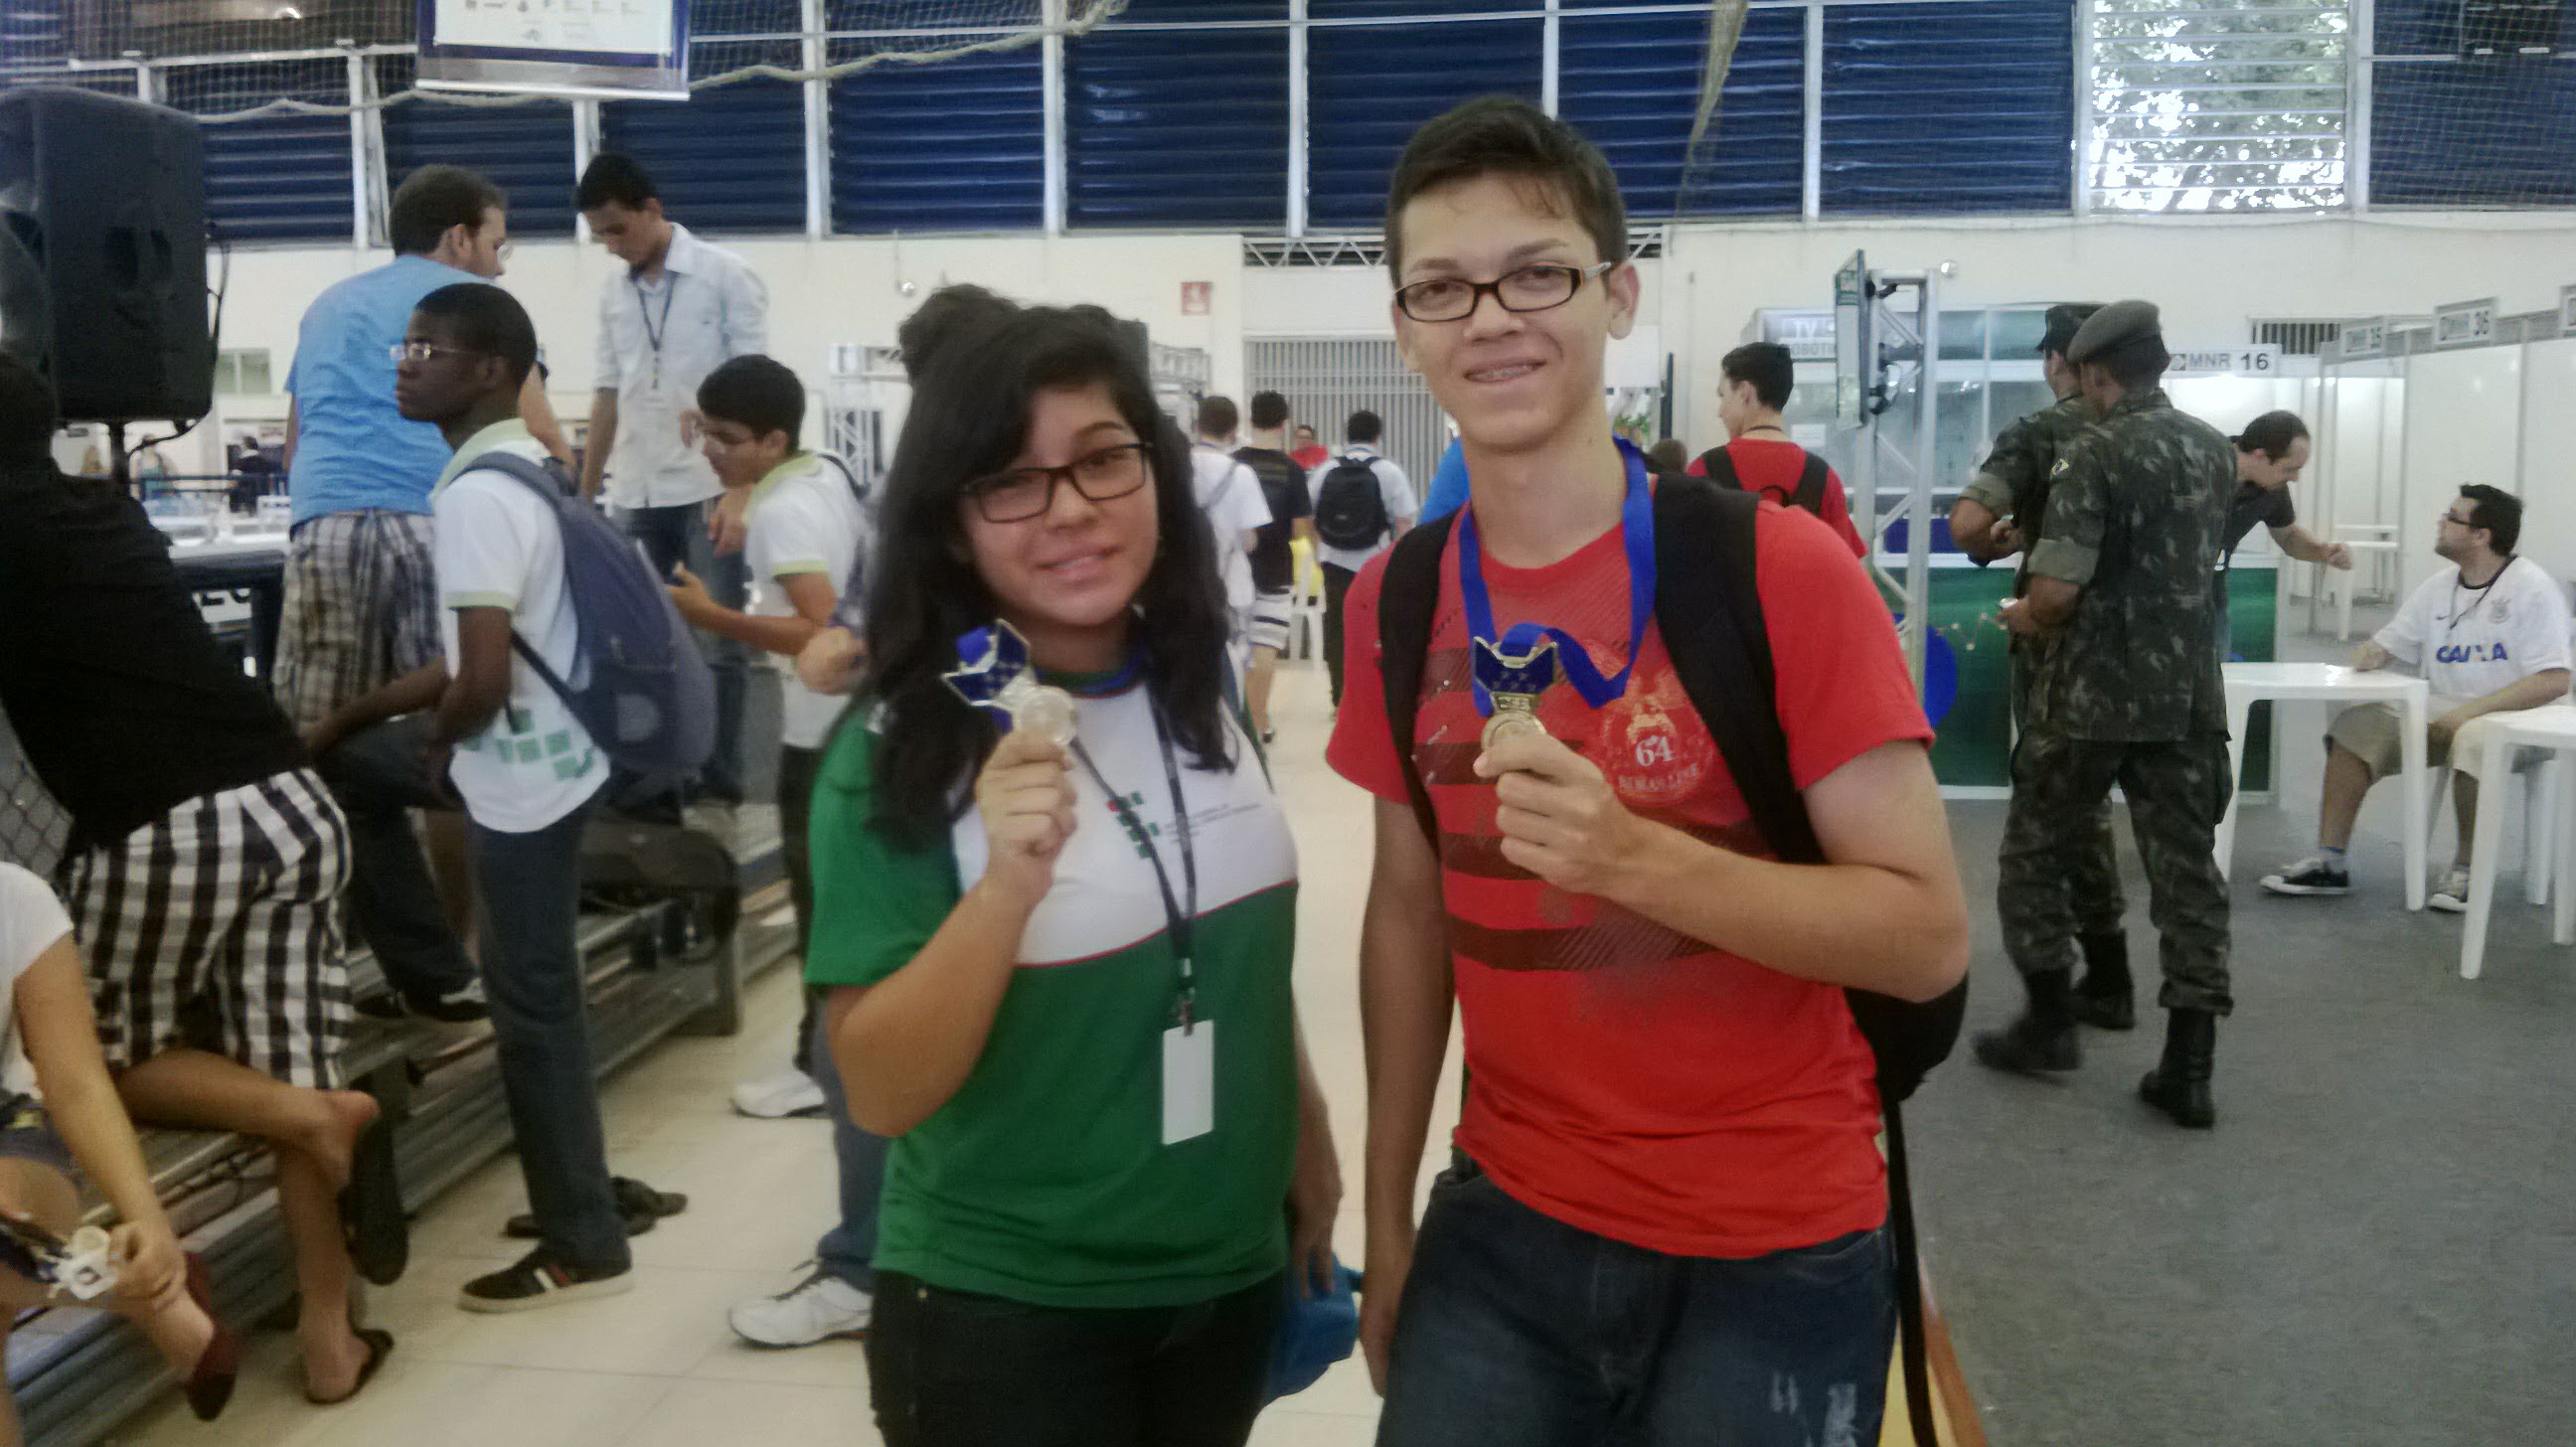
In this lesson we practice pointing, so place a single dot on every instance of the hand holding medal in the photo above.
(1514, 673)
(1024, 792)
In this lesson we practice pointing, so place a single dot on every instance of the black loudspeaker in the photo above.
(103, 253)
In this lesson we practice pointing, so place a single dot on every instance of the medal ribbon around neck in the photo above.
(1524, 661)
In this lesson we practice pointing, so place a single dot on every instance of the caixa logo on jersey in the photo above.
(2470, 653)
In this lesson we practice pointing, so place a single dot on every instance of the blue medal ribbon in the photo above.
(1509, 664)
(993, 659)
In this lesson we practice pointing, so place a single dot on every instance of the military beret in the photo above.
(2114, 325)
(2063, 321)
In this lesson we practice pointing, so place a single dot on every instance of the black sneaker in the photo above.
(540, 1280)
(2312, 875)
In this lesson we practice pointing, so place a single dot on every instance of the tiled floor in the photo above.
(658, 1367)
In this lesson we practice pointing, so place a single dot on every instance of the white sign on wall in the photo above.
(2252, 359)
(2567, 311)
(2363, 339)
(2464, 323)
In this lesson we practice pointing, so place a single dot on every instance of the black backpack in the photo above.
(1350, 511)
(1711, 621)
(1808, 494)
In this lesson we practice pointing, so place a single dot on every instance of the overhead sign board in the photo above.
(629, 49)
(2362, 339)
(2567, 311)
(2465, 323)
(2252, 359)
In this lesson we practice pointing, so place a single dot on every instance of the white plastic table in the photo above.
(2343, 586)
(2552, 727)
(2332, 684)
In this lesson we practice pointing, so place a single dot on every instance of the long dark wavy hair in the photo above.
(969, 420)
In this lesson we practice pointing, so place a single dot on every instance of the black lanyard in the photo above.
(655, 330)
(1178, 919)
(2477, 600)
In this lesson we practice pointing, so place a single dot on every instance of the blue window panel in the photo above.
(1168, 12)
(955, 145)
(1369, 87)
(38, 32)
(729, 158)
(747, 17)
(526, 149)
(1176, 128)
(1631, 84)
(280, 177)
(1356, 9)
(1957, 107)
(2416, 27)
(2490, 131)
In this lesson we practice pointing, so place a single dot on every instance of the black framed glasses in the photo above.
(403, 352)
(1522, 289)
(1026, 492)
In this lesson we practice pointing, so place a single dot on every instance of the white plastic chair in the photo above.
(2540, 794)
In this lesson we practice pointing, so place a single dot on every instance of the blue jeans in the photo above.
(377, 775)
(1518, 1330)
(847, 1251)
(674, 535)
(531, 885)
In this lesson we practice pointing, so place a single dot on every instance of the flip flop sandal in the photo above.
(380, 1345)
(371, 1208)
(639, 1203)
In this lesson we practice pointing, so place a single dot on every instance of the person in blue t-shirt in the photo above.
(360, 611)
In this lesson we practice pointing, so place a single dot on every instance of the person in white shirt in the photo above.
(680, 309)
(528, 774)
(2490, 635)
(58, 1106)
(808, 529)
(1351, 527)
(1230, 495)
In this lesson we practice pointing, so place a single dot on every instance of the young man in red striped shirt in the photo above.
(1667, 1220)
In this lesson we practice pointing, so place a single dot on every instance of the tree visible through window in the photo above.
(2199, 108)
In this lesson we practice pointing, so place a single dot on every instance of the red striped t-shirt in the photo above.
(1626, 1079)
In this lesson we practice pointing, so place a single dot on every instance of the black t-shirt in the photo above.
(2269, 506)
(1283, 485)
(123, 703)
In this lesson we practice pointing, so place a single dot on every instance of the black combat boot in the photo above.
(2180, 1085)
(2043, 1039)
(2104, 998)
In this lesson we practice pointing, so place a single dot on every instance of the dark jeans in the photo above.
(674, 535)
(954, 1369)
(378, 776)
(531, 886)
(1518, 1330)
(849, 1249)
(1337, 586)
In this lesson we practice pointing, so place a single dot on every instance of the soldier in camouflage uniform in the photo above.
(2127, 692)
(2001, 512)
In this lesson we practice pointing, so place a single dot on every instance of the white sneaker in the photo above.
(2451, 892)
(819, 1308)
(776, 1097)
(713, 817)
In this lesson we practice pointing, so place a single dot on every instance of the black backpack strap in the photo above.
(1720, 467)
(1711, 620)
(1408, 600)
(1912, 1347)
(1811, 486)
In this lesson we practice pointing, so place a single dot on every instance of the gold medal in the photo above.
(1514, 716)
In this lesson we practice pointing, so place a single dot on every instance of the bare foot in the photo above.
(180, 1332)
(331, 1137)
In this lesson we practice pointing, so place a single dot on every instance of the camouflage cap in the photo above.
(2120, 322)
(2063, 321)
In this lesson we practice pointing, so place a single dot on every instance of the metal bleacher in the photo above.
(77, 1374)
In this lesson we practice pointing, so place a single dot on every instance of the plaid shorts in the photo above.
(216, 926)
(361, 610)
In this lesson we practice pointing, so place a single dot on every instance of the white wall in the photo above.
(2549, 455)
(2463, 425)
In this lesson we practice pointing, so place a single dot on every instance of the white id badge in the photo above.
(1189, 1081)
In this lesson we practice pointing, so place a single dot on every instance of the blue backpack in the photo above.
(649, 700)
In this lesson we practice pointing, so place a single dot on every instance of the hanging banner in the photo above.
(611, 49)
(2465, 323)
